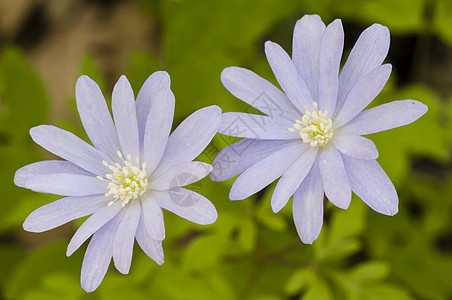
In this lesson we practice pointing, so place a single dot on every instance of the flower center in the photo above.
(314, 127)
(128, 181)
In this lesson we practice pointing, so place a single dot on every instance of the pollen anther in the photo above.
(314, 127)
(127, 181)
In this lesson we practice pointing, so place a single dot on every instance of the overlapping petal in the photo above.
(308, 207)
(236, 158)
(255, 127)
(287, 76)
(188, 205)
(95, 116)
(71, 148)
(47, 167)
(370, 183)
(367, 54)
(62, 211)
(258, 92)
(125, 237)
(125, 116)
(307, 40)
(190, 138)
(386, 116)
(264, 172)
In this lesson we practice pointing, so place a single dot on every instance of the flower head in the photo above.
(311, 133)
(124, 180)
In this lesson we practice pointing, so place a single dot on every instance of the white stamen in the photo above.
(127, 181)
(314, 127)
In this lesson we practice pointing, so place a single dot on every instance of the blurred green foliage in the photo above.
(250, 252)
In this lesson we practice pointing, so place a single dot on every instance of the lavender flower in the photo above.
(133, 171)
(311, 135)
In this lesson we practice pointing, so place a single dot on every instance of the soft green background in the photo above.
(250, 252)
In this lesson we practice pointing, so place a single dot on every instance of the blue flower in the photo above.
(135, 169)
(311, 134)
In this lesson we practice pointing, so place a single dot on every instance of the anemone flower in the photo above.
(132, 171)
(311, 133)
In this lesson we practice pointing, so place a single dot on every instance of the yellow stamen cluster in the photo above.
(314, 127)
(127, 181)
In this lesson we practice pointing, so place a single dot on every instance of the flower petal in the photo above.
(292, 178)
(255, 127)
(363, 92)
(368, 53)
(67, 184)
(356, 146)
(158, 127)
(98, 256)
(334, 179)
(157, 82)
(151, 247)
(287, 76)
(62, 211)
(191, 137)
(386, 116)
(308, 207)
(329, 62)
(153, 216)
(259, 93)
(95, 116)
(91, 225)
(236, 158)
(181, 175)
(370, 183)
(47, 167)
(188, 205)
(69, 147)
(125, 237)
(307, 39)
(125, 116)
(265, 171)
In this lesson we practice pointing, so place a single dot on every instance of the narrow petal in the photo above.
(259, 93)
(151, 247)
(292, 178)
(265, 172)
(287, 76)
(67, 184)
(69, 147)
(236, 158)
(181, 175)
(329, 63)
(308, 207)
(125, 237)
(368, 53)
(62, 211)
(386, 116)
(95, 116)
(91, 225)
(98, 256)
(334, 179)
(153, 217)
(158, 128)
(191, 137)
(188, 205)
(307, 39)
(370, 183)
(363, 92)
(125, 115)
(255, 127)
(157, 82)
(356, 146)
(47, 167)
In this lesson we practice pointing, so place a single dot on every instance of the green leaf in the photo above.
(371, 271)
(297, 281)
